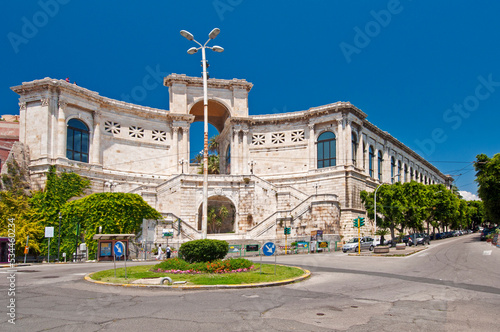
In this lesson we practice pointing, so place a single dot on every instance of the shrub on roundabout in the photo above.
(205, 250)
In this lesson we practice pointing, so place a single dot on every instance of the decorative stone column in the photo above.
(340, 143)
(185, 143)
(96, 142)
(311, 147)
(175, 147)
(61, 130)
(235, 150)
(348, 143)
(360, 156)
(245, 152)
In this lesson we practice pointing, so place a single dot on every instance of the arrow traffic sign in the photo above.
(269, 249)
(119, 248)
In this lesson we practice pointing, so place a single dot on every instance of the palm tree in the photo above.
(213, 144)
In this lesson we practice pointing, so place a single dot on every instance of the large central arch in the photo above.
(217, 113)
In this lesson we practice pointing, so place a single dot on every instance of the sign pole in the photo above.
(275, 262)
(48, 253)
(359, 239)
(260, 254)
(114, 261)
(125, 253)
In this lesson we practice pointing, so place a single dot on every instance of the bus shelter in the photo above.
(106, 245)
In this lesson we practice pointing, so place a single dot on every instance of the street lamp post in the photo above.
(59, 239)
(193, 50)
(375, 206)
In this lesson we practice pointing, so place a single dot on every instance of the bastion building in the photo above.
(301, 169)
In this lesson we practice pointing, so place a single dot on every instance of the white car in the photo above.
(366, 243)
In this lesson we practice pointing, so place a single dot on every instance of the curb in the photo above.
(306, 275)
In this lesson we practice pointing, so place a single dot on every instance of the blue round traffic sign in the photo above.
(269, 249)
(119, 249)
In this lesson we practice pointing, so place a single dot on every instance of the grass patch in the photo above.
(254, 276)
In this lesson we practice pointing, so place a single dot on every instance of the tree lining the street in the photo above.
(418, 207)
(488, 179)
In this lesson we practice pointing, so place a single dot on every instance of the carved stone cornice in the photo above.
(45, 101)
(211, 83)
(22, 106)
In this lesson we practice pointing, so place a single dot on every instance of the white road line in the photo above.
(487, 253)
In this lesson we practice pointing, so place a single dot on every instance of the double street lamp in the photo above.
(193, 50)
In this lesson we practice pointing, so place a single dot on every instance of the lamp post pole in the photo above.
(59, 239)
(193, 50)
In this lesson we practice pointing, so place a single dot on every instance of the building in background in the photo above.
(303, 170)
(9, 134)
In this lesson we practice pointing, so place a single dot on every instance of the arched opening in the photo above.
(217, 114)
(220, 215)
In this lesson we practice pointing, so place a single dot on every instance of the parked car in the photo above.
(366, 243)
(422, 238)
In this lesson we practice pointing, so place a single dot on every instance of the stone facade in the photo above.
(9, 134)
(271, 168)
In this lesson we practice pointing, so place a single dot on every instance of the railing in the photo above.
(292, 214)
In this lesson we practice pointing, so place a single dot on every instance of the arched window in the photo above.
(399, 170)
(421, 178)
(416, 175)
(393, 168)
(371, 156)
(77, 145)
(228, 159)
(405, 177)
(411, 173)
(354, 143)
(327, 150)
(379, 166)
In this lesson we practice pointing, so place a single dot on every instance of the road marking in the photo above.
(79, 274)
(487, 253)
(251, 296)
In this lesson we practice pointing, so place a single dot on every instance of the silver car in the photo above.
(366, 243)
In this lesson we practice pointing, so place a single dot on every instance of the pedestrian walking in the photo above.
(160, 253)
(169, 251)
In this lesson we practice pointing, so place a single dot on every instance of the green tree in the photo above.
(488, 179)
(47, 204)
(390, 207)
(116, 213)
(215, 218)
(213, 144)
(15, 204)
(476, 212)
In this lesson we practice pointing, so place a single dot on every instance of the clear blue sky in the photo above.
(425, 71)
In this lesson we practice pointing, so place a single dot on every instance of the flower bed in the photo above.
(179, 266)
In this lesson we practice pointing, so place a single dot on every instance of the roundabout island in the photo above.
(148, 276)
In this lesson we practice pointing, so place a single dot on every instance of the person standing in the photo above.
(168, 250)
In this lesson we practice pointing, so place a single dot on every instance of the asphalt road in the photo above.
(454, 285)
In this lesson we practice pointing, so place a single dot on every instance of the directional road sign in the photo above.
(269, 249)
(119, 249)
